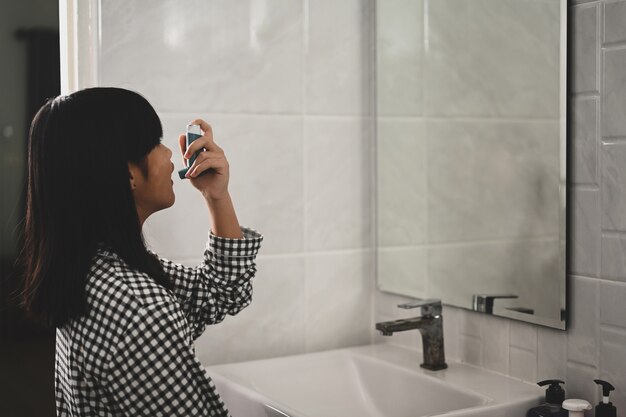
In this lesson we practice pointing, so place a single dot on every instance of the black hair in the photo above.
(78, 196)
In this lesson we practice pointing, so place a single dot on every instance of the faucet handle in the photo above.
(430, 307)
(484, 302)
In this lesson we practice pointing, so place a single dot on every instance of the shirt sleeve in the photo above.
(155, 372)
(221, 284)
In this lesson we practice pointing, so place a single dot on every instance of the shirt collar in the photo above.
(106, 250)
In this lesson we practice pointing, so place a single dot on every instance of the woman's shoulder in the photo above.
(112, 279)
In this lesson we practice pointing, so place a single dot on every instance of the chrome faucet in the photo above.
(484, 302)
(430, 325)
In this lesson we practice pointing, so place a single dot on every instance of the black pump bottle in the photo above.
(555, 395)
(605, 408)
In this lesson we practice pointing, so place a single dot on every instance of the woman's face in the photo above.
(157, 191)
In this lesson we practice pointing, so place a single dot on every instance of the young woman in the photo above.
(125, 318)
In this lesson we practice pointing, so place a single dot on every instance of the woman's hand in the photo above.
(213, 184)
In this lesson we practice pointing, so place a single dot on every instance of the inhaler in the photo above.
(193, 133)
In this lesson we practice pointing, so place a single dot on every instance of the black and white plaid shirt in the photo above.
(132, 354)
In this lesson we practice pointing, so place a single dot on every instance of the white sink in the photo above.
(368, 381)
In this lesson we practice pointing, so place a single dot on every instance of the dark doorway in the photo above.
(29, 74)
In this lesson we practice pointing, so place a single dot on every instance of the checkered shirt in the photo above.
(132, 353)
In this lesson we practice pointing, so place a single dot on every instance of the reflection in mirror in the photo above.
(471, 154)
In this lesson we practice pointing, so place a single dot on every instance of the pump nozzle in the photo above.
(554, 394)
(606, 387)
(605, 408)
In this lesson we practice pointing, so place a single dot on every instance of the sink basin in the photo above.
(380, 380)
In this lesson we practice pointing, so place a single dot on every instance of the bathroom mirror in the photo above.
(470, 154)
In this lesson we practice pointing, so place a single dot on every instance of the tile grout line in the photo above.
(613, 141)
(613, 233)
(584, 95)
(613, 328)
(584, 186)
(613, 46)
(186, 113)
(580, 364)
(372, 135)
(470, 118)
(601, 82)
(303, 111)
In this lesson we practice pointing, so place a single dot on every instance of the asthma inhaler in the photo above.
(193, 133)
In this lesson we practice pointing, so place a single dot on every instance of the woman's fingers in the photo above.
(206, 160)
(206, 141)
(182, 144)
(206, 128)
(199, 167)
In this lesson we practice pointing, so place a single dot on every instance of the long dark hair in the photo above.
(79, 196)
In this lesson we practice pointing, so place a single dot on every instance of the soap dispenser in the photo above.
(555, 395)
(605, 408)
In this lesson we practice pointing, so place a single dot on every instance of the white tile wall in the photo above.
(612, 363)
(481, 181)
(585, 48)
(285, 86)
(400, 71)
(584, 140)
(338, 290)
(208, 56)
(454, 66)
(273, 325)
(551, 349)
(583, 329)
(336, 40)
(336, 167)
(495, 353)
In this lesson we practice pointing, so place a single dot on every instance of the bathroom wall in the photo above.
(285, 86)
(595, 344)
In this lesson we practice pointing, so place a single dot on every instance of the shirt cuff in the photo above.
(248, 246)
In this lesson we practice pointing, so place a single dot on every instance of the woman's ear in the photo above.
(133, 172)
